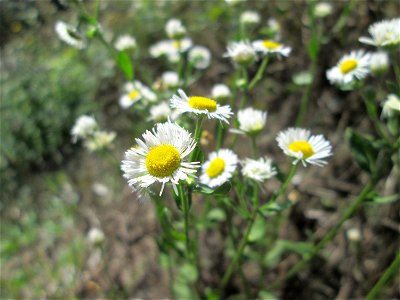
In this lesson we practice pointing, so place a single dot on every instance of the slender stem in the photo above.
(392, 270)
(259, 73)
(185, 208)
(331, 233)
(220, 129)
(285, 184)
(254, 146)
(197, 134)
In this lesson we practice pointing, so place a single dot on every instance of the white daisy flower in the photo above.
(250, 17)
(258, 170)
(352, 66)
(299, 144)
(379, 62)
(251, 121)
(84, 127)
(170, 79)
(385, 34)
(160, 157)
(201, 106)
(70, 35)
(175, 29)
(160, 112)
(391, 106)
(125, 42)
(267, 47)
(220, 92)
(135, 91)
(241, 53)
(170, 48)
(323, 9)
(219, 168)
(100, 140)
(200, 57)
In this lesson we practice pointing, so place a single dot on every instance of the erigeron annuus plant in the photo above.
(168, 161)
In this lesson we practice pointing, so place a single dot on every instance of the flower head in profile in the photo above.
(70, 35)
(299, 144)
(171, 49)
(351, 67)
(100, 140)
(258, 170)
(160, 156)
(251, 121)
(391, 106)
(220, 92)
(242, 53)
(385, 34)
(84, 127)
(269, 47)
(200, 106)
(125, 42)
(175, 29)
(135, 91)
(170, 79)
(218, 168)
(199, 57)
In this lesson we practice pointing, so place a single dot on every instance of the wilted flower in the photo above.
(100, 140)
(84, 127)
(391, 106)
(70, 35)
(384, 34)
(218, 168)
(220, 92)
(175, 29)
(258, 170)
(160, 157)
(352, 66)
(322, 9)
(201, 106)
(250, 18)
(299, 144)
(241, 53)
(125, 42)
(379, 62)
(200, 57)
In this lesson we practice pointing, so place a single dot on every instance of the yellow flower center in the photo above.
(270, 44)
(302, 146)
(216, 167)
(134, 95)
(163, 160)
(177, 44)
(348, 65)
(203, 103)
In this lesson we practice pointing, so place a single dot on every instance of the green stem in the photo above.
(185, 208)
(285, 184)
(259, 73)
(392, 270)
(331, 233)
(254, 146)
(197, 134)
(220, 129)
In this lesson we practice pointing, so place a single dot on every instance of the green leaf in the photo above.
(275, 254)
(375, 198)
(273, 208)
(219, 191)
(125, 64)
(188, 273)
(258, 230)
(265, 295)
(313, 47)
(216, 215)
(362, 150)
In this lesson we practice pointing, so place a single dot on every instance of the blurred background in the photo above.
(55, 193)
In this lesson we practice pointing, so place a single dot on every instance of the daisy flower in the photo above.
(125, 42)
(175, 29)
(84, 127)
(385, 34)
(220, 92)
(135, 91)
(170, 79)
(160, 156)
(251, 121)
(299, 144)
(241, 53)
(352, 66)
(100, 140)
(267, 47)
(200, 106)
(170, 48)
(258, 170)
(70, 35)
(160, 112)
(219, 168)
(200, 57)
